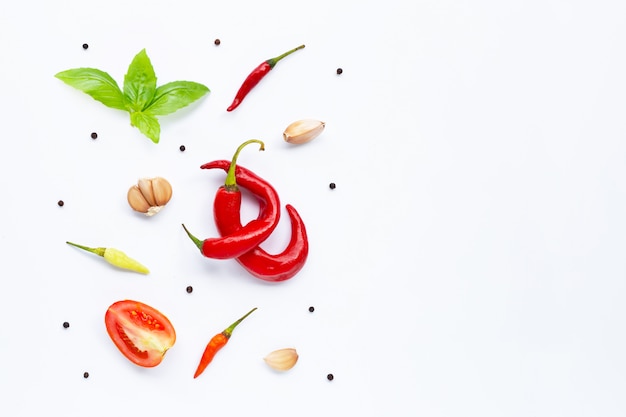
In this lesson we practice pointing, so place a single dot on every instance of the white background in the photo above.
(470, 261)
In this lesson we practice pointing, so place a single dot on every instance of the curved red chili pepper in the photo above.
(282, 266)
(258, 262)
(227, 201)
(255, 76)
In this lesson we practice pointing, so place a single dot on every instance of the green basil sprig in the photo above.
(141, 97)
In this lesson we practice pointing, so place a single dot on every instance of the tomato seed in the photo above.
(66, 324)
(86, 375)
(330, 377)
(60, 203)
(332, 186)
(339, 71)
(182, 148)
(190, 289)
(311, 309)
(94, 135)
(217, 42)
(85, 46)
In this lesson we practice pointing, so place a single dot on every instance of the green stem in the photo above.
(229, 330)
(97, 251)
(273, 61)
(197, 241)
(231, 179)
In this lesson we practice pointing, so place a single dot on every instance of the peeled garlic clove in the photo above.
(149, 195)
(282, 359)
(303, 131)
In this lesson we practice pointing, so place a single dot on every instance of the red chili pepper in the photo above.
(255, 76)
(258, 262)
(216, 343)
(227, 201)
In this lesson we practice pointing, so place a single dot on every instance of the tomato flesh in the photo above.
(130, 345)
(142, 333)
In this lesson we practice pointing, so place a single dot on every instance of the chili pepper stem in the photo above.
(229, 331)
(97, 251)
(231, 179)
(273, 61)
(195, 240)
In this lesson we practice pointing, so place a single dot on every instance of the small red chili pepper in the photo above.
(228, 200)
(255, 76)
(258, 262)
(216, 343)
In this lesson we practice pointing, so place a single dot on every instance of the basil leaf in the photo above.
(147, 124)
(98, 84)
(140, 96)
(140, 82)
(174, 96)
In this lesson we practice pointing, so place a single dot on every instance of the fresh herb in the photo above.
(140, 95)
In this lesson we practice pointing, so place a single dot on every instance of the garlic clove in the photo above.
(303, 131)
(136, 200)
(162, 191)
(149, 195)
(145, 186)
(282, 359)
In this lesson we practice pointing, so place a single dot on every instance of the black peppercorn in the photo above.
(66, 324)
(86, 375)
(311, 309)
(85, 46)
(182, 148)
(332, 186)
(94, 135)
(330, 377)
(217, 42)
(190, 289)
(339, 71)
(60, 203)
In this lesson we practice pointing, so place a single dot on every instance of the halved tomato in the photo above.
(142, 333)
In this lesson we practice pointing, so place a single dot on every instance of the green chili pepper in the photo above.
(115, 257)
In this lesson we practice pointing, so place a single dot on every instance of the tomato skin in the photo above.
(142, 333)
